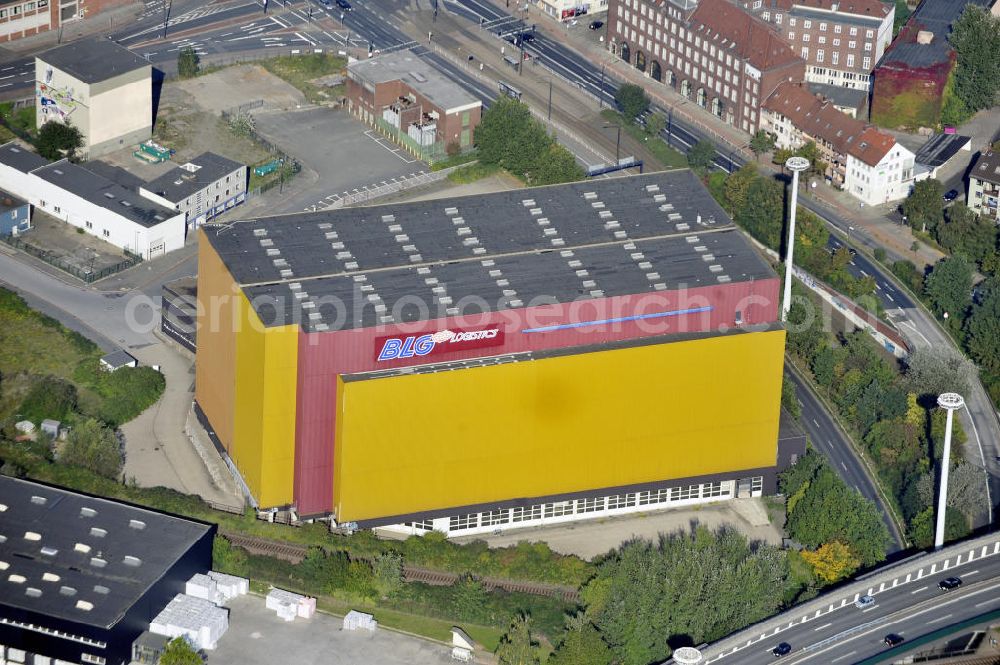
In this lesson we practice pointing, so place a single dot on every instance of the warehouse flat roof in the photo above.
(82, 558)
(93, 60)
(182, 181)
(104, 193)
(415, 72)
(18, 157)
(354, 267)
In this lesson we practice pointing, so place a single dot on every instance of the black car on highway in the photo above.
(782, 649)
(893, 640)
(949, 583)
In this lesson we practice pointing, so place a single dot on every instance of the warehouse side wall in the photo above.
(264, 430)
(215, 365)
(558, 425)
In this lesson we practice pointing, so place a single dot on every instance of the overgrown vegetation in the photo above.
(649, 137)
(975, 36)
(188, 62)
(301, 71)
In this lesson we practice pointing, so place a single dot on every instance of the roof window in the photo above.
(50, 577)
(82, 547)
(17, 579)
(67, 591)
(98, 532)
(84, 605)
(87, 512)
(4, 565)
(57, 171)
(39, 500)
(3, 507)
(33, 592)
(109, 195)
(98, 562)
(133, 561)
(31, 535)
(50, 551)
(136, 524)
(101, 589)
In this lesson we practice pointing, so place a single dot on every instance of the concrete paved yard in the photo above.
(595, 537)
(256, 636)
(339, 154)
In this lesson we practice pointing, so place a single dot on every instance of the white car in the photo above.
(864, 601)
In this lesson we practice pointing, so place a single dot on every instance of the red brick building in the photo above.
(24, 18)
(406, 98)
(712, 52)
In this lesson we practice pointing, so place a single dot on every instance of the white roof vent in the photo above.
(17, 579)
(133, 561)
(84, 605)
(88, 512)
(67, 591)
(82, 547)
(50, 577)
(33, 592)
(39, 500)
(101, 589)
(98, 532)
(50, 551)
(31, 535)
(98, 562)
(3, 507)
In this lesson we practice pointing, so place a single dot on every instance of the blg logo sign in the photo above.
(400, 347)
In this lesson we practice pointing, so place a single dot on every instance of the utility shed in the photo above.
(84, 576)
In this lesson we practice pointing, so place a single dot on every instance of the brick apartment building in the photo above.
(407, 98)
(19, 18)
(866, 162)
(840, 40)
(710, 51)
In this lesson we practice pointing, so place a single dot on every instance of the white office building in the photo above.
(206, 186)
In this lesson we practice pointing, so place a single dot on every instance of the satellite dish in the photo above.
(687, 656)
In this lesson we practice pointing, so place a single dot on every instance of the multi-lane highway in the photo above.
(908, 602)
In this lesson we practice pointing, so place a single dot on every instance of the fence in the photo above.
(290, 166)
(427, 153)
(366, 195)
(84, 274)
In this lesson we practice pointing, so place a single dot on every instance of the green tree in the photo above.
(511, 138)
(57, 140)
(188, 62)
(761, 143)
(966, 489)
(581, 645)
(923, 207)
(975, 37)
(965, 232)
(832, 561)
(811, 152)
(764, 212)
(932, 371)
(388, 569)
(983, 328)
(655, 124)
(789, 399)
(517, 646)
(326, 571)
(94, 447)
(701, 155)
(949, 287)
(180, 652)
(469, 598)
(901, 16)
(737, 187)
(632, 100)
(229, 559)
(556, 166)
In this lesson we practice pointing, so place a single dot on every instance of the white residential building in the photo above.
(206, 186)
(91, 202)
(879, 169)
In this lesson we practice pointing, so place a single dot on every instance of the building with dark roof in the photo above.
(82, 576)
(840, 40)
(103, 89)
(712, 52)
(461, 363)
(90, 201)
(203, 188)
(908, 90)
(413, 102)
(938, 150)
(984, 185)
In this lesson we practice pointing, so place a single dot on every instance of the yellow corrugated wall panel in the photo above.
(215, 364)
(421, 442)
(264, 428)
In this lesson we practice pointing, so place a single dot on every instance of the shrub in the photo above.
(128, 392)
(50, 397)
(94, 447)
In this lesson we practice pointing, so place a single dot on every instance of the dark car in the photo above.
(782, 649)
(345, 5)
(527, 36)
(951, 195)
(596, 25)
(949, 583)
(892, 640)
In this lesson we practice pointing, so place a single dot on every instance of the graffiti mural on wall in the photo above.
(58, 102)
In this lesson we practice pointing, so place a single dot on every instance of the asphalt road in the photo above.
(908, 602)
(830, 440)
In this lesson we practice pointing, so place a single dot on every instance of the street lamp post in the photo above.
(796, 165)
(949, 402)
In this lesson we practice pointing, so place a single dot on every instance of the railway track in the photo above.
(296, 553)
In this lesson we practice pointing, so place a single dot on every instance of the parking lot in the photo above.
(338, 153)
(256, 636)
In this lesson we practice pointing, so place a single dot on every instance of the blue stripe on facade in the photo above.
(619, 319)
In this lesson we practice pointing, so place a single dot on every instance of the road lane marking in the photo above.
(825, 625)
(923, 588)
(815, 423)
(843, 465)
(939, 619)
(972, 572)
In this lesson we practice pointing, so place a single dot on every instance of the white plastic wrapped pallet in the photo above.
(230, 586)
(195, 618)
